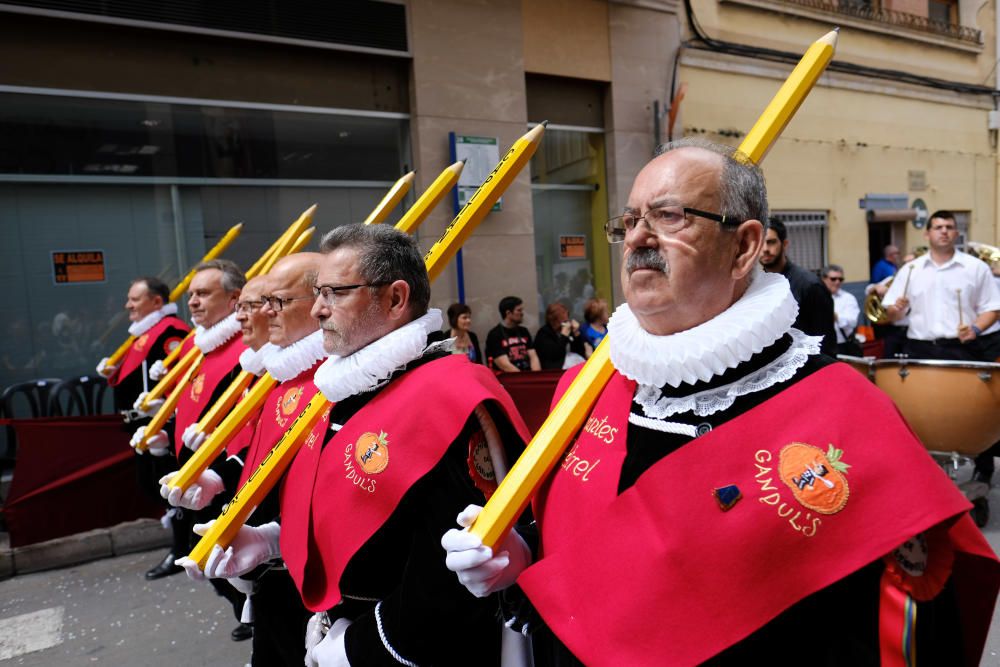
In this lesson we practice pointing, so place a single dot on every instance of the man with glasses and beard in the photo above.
(733, 490)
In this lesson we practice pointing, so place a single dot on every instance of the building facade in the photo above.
(132, 136)
(901, 123)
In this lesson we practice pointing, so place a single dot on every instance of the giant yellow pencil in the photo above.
(221, 436)
(173, 375)
(216, 250)
(156, 424)
(263, 479)
(556, 432)
(434, 193)
(391, 199)
(289, 238)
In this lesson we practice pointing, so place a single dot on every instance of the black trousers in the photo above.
(279, 623)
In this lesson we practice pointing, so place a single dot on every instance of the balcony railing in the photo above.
(889, 17)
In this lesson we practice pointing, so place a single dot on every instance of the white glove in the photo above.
(154, 406)
(316, 629)
(192, 437)
(157, 370)
(157, 445)
(198, 495)
(106, 369)
(477, 568)
(251, 547)
(330, 652)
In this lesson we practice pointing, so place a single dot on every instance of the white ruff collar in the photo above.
(760, 317)
(285, 363)
(252, 361)
(220, 332)
(341, 377)
(151, 320)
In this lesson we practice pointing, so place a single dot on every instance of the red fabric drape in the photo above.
(532, 393)
(72, 474)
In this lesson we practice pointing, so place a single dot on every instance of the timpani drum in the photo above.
(952, 406)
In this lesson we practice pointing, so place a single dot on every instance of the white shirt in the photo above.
(847, 310)
(995, 327)
(933, 292)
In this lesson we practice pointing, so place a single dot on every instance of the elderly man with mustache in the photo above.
(734, 495)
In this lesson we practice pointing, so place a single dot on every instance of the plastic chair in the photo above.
(82, 395)
(35, 395)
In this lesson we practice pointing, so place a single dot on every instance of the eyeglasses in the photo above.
(663, 220)
(277, 303)
(835, 279)
(329, 293)
(249, 306)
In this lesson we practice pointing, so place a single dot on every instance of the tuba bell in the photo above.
(987, 253)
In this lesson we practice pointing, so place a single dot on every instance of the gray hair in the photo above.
(385, 255)
(831, 267)
(232, 278)
(742, 190)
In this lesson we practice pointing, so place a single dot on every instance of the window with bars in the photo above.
(806, 237)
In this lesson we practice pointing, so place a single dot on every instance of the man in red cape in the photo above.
(734, 497)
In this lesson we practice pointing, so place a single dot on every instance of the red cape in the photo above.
(336, 497)
(662, 575)
(141, 347)
(276, 415)
(197, 396)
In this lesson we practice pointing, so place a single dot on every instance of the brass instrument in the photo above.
(875, 311)
(987, 253)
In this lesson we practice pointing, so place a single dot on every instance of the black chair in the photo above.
(35, 395)
(82, 395)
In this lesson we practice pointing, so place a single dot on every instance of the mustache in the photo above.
(646, 258)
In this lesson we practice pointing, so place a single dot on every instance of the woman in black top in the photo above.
(558, 332)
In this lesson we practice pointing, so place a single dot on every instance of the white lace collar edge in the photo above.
(756, 320)
(714, 400)
(341, 377)
(151, 320)
(286, 363)
(252, 361)
(218, 334)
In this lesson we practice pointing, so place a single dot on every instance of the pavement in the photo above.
(104, 612)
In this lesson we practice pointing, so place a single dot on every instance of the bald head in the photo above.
(290, 281)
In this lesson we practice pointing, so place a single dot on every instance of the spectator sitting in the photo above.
(466, 342)
(556, 334)
(595, 312)
(508, 345)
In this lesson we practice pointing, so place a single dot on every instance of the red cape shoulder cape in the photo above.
(662, 575)
(336, 497)
(144, 344)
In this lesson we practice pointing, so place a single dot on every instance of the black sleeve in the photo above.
(430, 618)
(493, 347)
(551, 348)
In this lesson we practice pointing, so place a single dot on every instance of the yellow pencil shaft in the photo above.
(303, 240)
(434, 193)
(277, 461)
(262, 480)
(225, 403)
(289, 238)
(216, 250)
(171, 378)
(543, 452)
(391, 200)
(482, 200)
(535, 464)
(217, 441)
(789, 97)
(118, 354)
(168, 361)
(156, 424)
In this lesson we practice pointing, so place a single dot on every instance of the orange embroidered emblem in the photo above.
(372, 452)
(197, 386)
(290, 400)
(140, 342)
(817, 480)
